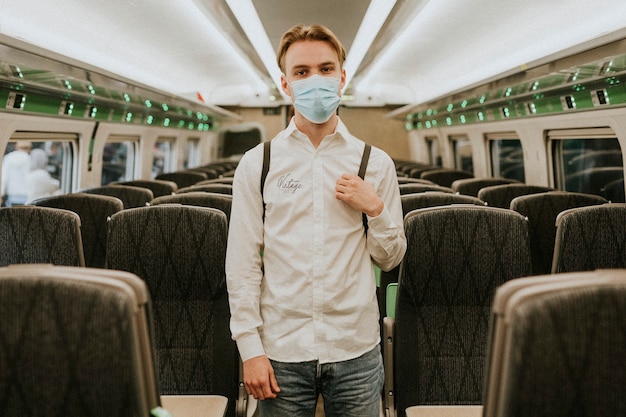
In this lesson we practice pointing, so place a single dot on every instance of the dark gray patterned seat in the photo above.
(221, 202)
(541, 209)
(158, 187)
(445, 176)
(30, 234)
(183, 178)
(208, 188)
(180, 252)
(412, 202)
(94, 210)
(565, 349)
(502, 195)
(589, 238)
(456, 257)
(412, 188)
(131, 196)
(70, 345)
(471, 186)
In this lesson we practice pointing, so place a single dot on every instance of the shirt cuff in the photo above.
(384, 218)
(250, 346)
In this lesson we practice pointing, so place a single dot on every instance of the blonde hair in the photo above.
(304, 32)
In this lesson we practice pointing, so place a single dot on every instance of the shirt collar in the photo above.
(341, 131)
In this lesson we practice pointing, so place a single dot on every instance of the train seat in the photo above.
(158, 187)
(614, 191)
(471, 186)
(456, 257)
(502, 195)
(445, 176)
(556, 346)
(221, 180)
(412, 202)
(179, 251)
(589, 238)
(209, 188)
(131, 196)
(94, 211)
(30, 234)
(219, 201)
(410, 188)
(542, 209)
(92, 361)
(183, 178)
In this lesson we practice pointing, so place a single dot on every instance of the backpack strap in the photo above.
(364, 160)
(266, 167)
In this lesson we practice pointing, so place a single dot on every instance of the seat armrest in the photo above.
(388, 390)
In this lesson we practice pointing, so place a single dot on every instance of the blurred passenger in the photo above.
(305, 313)
(15, 166)
(39, 183)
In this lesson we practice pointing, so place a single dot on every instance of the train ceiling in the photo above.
(221, 52)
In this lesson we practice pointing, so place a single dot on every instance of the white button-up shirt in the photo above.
(312, 294)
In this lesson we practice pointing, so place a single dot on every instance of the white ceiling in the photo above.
(184, 47)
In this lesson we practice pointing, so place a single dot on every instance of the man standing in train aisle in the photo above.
(15, 167)
(301, 283)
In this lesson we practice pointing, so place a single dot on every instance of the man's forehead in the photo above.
(310, 53)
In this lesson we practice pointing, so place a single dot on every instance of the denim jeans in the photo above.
(350, 388)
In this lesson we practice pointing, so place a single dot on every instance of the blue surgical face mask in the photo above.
(316, 97)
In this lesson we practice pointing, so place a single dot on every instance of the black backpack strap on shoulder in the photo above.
(364, 160)
(266, 167)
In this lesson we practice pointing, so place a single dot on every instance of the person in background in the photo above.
(15, 166)
(39, 183)
(304, 314)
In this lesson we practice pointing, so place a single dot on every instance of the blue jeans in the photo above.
(350, 388)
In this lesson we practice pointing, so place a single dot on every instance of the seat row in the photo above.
(179, 252)
(436, 335)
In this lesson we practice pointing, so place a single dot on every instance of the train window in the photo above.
(462, 151)
(434, 154)
(118, 159)
(163, 156)
(37, 164)
(507, 159)
(587, 161)
(192, 153)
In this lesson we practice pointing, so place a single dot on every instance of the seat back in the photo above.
(208, 188)
(72, 344)
(445, 176)
(222, 202)
(502, 195)
(456, 257)
(93, 210)
(412, 188)
(131, 196)
(183, 178)
(589, 238)
(416, 201)
(541, 209)
(180, 251)
(158, 187)
(471, 186)
(30, 234)
(499, 322)
(563, 348)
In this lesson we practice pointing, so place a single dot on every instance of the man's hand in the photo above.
(358, 194)
(259, 379)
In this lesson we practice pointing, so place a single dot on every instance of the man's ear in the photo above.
(285, 85)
